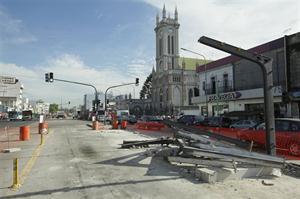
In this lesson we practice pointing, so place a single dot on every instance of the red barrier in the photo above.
(287, 142)
(149, 125)
(123, 124)
(24, 133)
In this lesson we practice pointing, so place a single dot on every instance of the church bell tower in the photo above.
(167, 52)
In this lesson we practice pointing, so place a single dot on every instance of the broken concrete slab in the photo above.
(215, 174)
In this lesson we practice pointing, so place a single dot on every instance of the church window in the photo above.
(160, 46)
(172, 45)
(173, 62)
(169, 48)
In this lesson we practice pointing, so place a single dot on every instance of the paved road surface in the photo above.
(77, 162)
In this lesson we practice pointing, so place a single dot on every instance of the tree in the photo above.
(53, 108)
(146, 91)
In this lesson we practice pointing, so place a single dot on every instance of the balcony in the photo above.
(223, 87)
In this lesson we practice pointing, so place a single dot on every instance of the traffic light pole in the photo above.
(84, 84)
(105, 95)
(265, 64)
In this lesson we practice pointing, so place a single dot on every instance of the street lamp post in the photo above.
(205, 69)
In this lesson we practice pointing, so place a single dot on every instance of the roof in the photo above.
(191, 63)
(275, 44)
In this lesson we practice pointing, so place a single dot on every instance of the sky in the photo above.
(109, 42)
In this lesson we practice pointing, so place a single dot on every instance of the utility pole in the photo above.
(49, 77)
(265, 64)
(105, 98)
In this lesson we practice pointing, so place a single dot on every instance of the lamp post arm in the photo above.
(105, 95)
(84, 84)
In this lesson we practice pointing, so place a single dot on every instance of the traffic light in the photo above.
(47, 77)
(50, 77)
(137, 81)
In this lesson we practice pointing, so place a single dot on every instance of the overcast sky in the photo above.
(107, 42)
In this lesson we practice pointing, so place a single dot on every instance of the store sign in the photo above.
(225, 97)
(8, 80)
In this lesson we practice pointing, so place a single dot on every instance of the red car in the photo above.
(287, 135)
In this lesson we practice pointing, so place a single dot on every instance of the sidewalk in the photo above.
(24, 155)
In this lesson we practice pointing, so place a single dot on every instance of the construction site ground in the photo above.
(77, 162)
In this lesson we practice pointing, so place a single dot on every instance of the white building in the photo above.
(11, 93)
(41, 107)
(235, 84)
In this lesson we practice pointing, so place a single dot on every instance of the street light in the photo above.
(205, 64)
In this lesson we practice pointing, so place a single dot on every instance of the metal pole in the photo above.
(265, 64)
(269, 108)
(105, 105)
(205, 89)
(73, 82)
(217, 93)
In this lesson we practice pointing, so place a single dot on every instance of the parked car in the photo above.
(217, 122)
(151, 118)
(15, 116)
(244, 124)
(132, 119)
(287, 133)
(283, 124)
(190, 119)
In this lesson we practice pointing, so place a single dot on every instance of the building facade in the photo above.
(234, 84)
(173, 82)
(11, 94)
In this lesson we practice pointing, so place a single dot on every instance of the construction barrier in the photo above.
(43, 127)
(123, 124)
(115, 124)
(95, 125)
(287, 142)
(149, 125)
(24, 133)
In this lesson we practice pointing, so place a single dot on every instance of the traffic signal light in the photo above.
(47, 77)
(136, 81)
(50, 77)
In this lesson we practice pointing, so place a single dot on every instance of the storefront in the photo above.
(245, 100)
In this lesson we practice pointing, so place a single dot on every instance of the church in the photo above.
(174, 79)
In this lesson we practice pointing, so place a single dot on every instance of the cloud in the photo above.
(241, 23)
(13, 31)
(71, 67)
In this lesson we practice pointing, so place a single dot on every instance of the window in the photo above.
(225, 82)
(172, 45)
(160, 46)
(213, 85)
(169, 48)
(203, 85)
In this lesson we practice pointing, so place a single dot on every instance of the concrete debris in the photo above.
(11, 150)
(211, 160)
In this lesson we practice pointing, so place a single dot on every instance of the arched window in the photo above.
(190, 96)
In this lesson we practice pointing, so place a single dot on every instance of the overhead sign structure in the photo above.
(265, 64)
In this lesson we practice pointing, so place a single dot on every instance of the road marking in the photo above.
(26, 170)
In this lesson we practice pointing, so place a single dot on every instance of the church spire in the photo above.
(164, 12)
(157, 19)
(176, 13)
